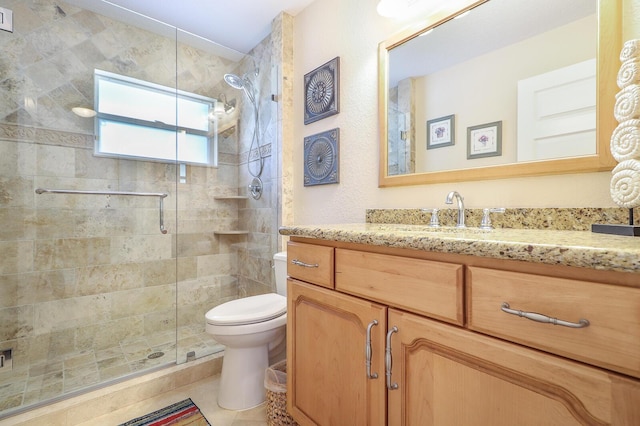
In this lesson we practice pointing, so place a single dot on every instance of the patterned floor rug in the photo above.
(183, 413)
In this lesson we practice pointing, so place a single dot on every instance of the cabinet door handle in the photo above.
(387, 359)
(369, 351)
(304, 265)
(533, 316)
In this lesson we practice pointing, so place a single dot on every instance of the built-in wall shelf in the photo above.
(230, 197)
(231, 232)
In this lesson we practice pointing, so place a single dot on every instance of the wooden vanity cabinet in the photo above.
(449, 376)
(610, 340)
(327, 379)
(441, 372)
(311, 263)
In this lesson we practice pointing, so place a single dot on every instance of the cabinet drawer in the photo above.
(310, 263)
(610, 340)
(433, 289)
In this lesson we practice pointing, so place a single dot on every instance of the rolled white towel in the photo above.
(625, 184)
(629, 73)
(627, 104)
(625, 141)
(630, 49)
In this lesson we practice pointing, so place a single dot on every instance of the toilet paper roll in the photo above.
(630, 49)
(629, 73)
(625, 184)
(627, 104)
(625, 141)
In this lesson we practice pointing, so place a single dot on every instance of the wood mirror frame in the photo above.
(608, 63)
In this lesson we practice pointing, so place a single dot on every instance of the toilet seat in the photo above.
(248, 310)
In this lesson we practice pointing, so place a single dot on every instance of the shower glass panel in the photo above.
(91, 290)
(88, 282)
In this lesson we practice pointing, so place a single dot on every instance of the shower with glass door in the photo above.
(110, 256)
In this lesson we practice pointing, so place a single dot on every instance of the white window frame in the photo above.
(210, 155)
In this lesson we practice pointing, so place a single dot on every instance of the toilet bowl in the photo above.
(249, 328)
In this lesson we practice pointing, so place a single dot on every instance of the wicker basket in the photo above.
(275, 382)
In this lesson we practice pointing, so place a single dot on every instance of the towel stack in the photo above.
(625, 140)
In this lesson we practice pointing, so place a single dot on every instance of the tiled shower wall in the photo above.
(83, 274)
(261, 217)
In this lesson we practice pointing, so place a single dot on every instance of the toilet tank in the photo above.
(280, 265)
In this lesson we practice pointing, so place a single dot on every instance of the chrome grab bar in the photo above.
(160, 195)
(388, 360)
(533, 316)
(369, 351)
(304, 265)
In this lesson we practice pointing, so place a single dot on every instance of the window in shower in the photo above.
(138, 119)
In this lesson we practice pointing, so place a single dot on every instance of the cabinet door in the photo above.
(327, 381)
(450, 376)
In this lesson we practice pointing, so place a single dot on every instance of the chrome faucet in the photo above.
(460, 200)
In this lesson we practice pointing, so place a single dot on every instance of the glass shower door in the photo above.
(87, 278)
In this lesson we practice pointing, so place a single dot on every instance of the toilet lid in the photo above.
(248, 310)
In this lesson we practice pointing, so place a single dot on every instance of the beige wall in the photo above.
(352, 30)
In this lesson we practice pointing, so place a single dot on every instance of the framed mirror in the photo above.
(542, 75)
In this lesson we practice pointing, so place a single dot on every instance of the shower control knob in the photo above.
(255, 188)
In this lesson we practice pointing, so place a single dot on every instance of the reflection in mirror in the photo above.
(531, 67)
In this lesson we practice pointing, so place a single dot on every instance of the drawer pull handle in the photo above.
(388, 361)
(304, 265)
(533, 316)
(369, 351)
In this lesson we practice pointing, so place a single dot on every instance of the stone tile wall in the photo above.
(273, 60)
(85, 272)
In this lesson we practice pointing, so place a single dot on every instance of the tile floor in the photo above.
(202, 392)
(121, 402)
(30, 384)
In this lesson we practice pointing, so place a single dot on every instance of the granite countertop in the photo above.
(555, 247)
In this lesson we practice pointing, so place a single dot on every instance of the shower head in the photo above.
(241, 83)
(228, 106)
(234, 81)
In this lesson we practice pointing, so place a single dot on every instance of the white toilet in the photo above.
(249, 328)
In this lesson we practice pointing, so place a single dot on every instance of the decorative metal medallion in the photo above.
(321, 88)
(321, 158)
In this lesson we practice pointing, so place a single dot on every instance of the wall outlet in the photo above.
(6, 360)
(6, 19)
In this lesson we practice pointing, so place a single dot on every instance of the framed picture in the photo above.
(484, 140)
(321, 158)
(441, 132)
(321, 91)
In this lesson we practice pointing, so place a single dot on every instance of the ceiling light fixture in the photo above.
(390, 8)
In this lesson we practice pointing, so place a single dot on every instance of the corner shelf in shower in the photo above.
(231, 197)
(230, 232)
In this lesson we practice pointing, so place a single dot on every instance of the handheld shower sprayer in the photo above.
(243, 83)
